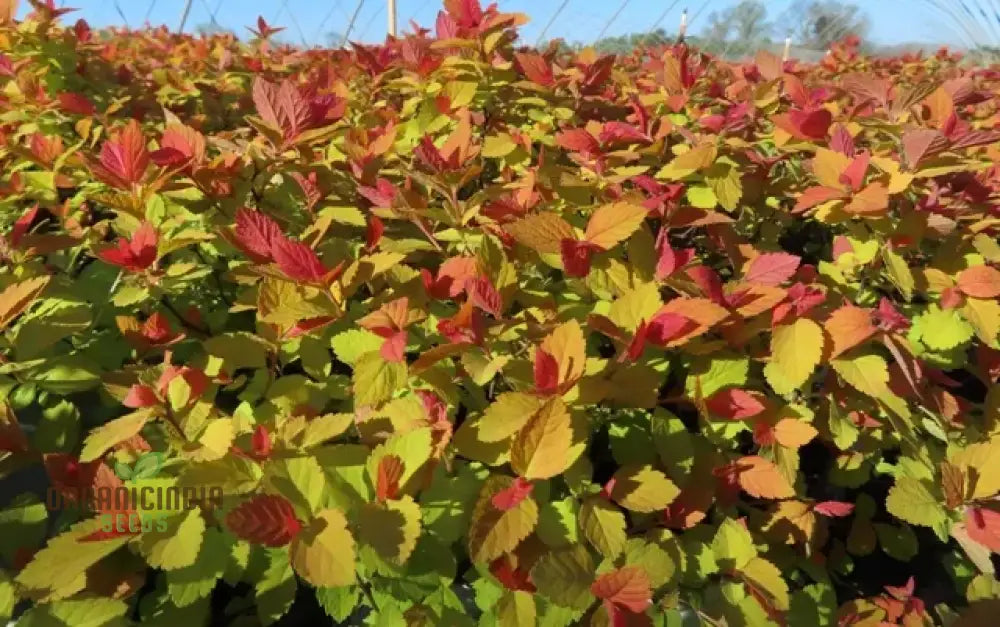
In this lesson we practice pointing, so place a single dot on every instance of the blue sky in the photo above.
(893, 21)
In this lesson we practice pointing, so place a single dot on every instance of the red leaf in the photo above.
(854, 175)
(616, 132)
(510, 577)
(256, 232)
(394, 347)
(156, 330)
(483, 295)
(772, 268)
(734, 404)
(373, 233)
(22, 225)
(140, 396)
(627, 588)
(260, 443)
(834, 509)
(509, 498)
(390, 471)
(546, 373)
(638, 342)
(535, 67)
(576, 256)
(282, 106)
(709, 282)
(168, 157)
(668, 326)
(670, 259)
(76, 103)
(428, 154)
(265, 519)
(134, 255)
(889, 318)
(578, 140)
(296, 260)
(125, 159)
(983, 526)
(810, 123)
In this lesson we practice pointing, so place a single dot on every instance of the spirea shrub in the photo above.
(450, 331)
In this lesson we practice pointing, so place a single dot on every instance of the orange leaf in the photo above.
(848, 327)
(980, 282)
(626, 587)
(701, 310)
(761, 478)
(614, 223)
(872, 200)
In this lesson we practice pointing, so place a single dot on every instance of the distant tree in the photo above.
(738, 30)
(624, 44)
(819, 23)
(211, 28)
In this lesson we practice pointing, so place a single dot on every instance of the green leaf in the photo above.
(516, 609)
(57, 571)
(564, 577)
(911, 501)
(338, 603)
(275, 591)
(766, 578)
(733, 546)
(178, 546)
(944, 329)
(187, 585)
(350, 345)
(702, 197)
(603, 526)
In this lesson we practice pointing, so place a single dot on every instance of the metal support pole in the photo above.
(184, 15)
(391, 9)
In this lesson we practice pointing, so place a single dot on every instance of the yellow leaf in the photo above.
(541, 449)
(567, 346)
(60, 568)
(761, 478)
(507, 415)
(214, 442)
(868, 374)
(541, 231)
(323, 552)
(980, 460)
(643, 489)
(984, 316)
(688, 163)
(516, 608)
(614, 223)
(828, 165)
(603, 526)
(635, 305)
(766, 580)
(375, 379)
(18, 296)
(391, 528)
(795, 351)
(493, 532)
(113, 432)
(899, 272)
(792, 521)
(178, 545)
(794, 433)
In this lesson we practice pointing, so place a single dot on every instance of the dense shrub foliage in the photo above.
(452, 332)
